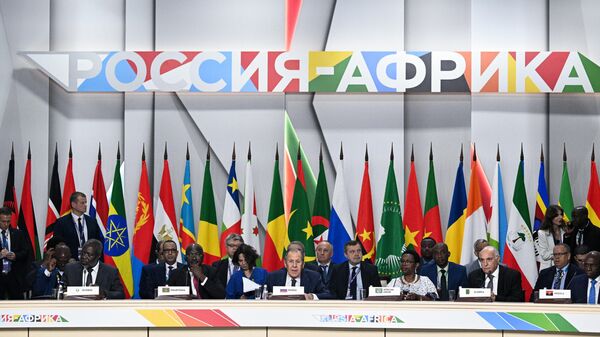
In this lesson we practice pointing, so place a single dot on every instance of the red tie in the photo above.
(197, 286)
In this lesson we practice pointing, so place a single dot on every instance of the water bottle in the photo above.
(6, 265)
(265, 293)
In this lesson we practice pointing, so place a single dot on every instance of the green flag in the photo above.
(391, 242)
(299, 226)
(565, 198)
(322, 206)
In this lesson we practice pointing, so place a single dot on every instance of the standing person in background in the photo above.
(14, 250)
(551, 232)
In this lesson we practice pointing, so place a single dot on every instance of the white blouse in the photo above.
(421, 286)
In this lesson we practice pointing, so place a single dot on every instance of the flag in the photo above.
(164, 221)
(413, 213)
(484, 185)
(292, 144)
(519, 252)
(276, 238)
(391, 241)
(432, 222)
(232, 220)
(565, 198)
(340, 230)
(365, 226)
(26, 221)
(456, 219)
(98, 200)
(498, 222)
(249, 219)
(476, 222)
(187, 232)
(116, 241)
(592, 202)
(321, 208)
(299, 227)
(10, 194)
(541, 200)
(69, 186)
(54, 200)
(144, 224)
(208, 230)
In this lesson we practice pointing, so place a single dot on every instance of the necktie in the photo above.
(169, 272)
(557, 279)
(88, 280)
(197, 286)
(443, 286)
(592, 296)
(491, 283)
(353, 283)
(6, 263)
(81, 235)
(293, 282)
(579, 238)
(323, 272)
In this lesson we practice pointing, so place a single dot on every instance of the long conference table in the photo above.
(259, 318)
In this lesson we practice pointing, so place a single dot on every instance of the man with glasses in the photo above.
(156, 275)
(199, 277)
(585, 288)
(225, 267)
(560, 274)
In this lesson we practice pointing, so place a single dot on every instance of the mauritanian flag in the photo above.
(541, 199)
(565, 198)
(456, 220)
(498, 222)
(187, 231)
(144, 225)
(232, 219)
(165, 220)
(99, 203)
(69, 186)
(54, 200)
(250, 232)
(432, 221)
(276, 238)
(365, 226)
(10, 193)
(322, 207)
(413, 213)
(208, 230)
(484, 185)
(391, 241)
(116, 242)
(519, 252)
(299, 226)
(26, 221)
(593, 196)
(475, 223)
(341, 229)
(292, 144)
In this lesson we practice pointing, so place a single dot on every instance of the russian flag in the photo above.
(340, 222)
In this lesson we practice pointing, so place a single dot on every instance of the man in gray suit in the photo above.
(89, 271)
(477, 247)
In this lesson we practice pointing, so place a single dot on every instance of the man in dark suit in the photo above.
(225, 267)
(294, 275)
(504, 282)
(585, 287)
(445, 275)
(14, 254)
(89, 271)
(350, 276)
(51, 271)
(427, 245)
(323, 264)
(201, 279)
(156, 275)
(581, 230)
(561, 273)
(77, 228)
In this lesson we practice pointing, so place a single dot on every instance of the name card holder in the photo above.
(553, 296)
(474, 295)
(82, 293)
(173, 293)
(384, 294)
(287, 293)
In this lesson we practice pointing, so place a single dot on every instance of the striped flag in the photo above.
(26, 221)
(340, 226)
(484, 185)
(565, 198)
(498, 222)
(593, 196)
(165, 220)
(187, 232)
(250, 232)
(541, 199)
(276, 239)
(98, 201)
(10, 193)
(208, 230)
(413, 213)
(519, 252)
(232, 219)
(69, 187)
(456, 219)
(476, 222)
(365, 225)
(54, 200)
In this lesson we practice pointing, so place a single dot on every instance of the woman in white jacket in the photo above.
(550, 233)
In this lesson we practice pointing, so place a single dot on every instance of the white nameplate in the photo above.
(474, 292)
(83, 291)
(547, 294)
(384, 291)
(287, 291)
(173, 291)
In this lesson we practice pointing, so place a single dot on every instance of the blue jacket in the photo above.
(457, 275)
(579, 288)
(235, 287)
